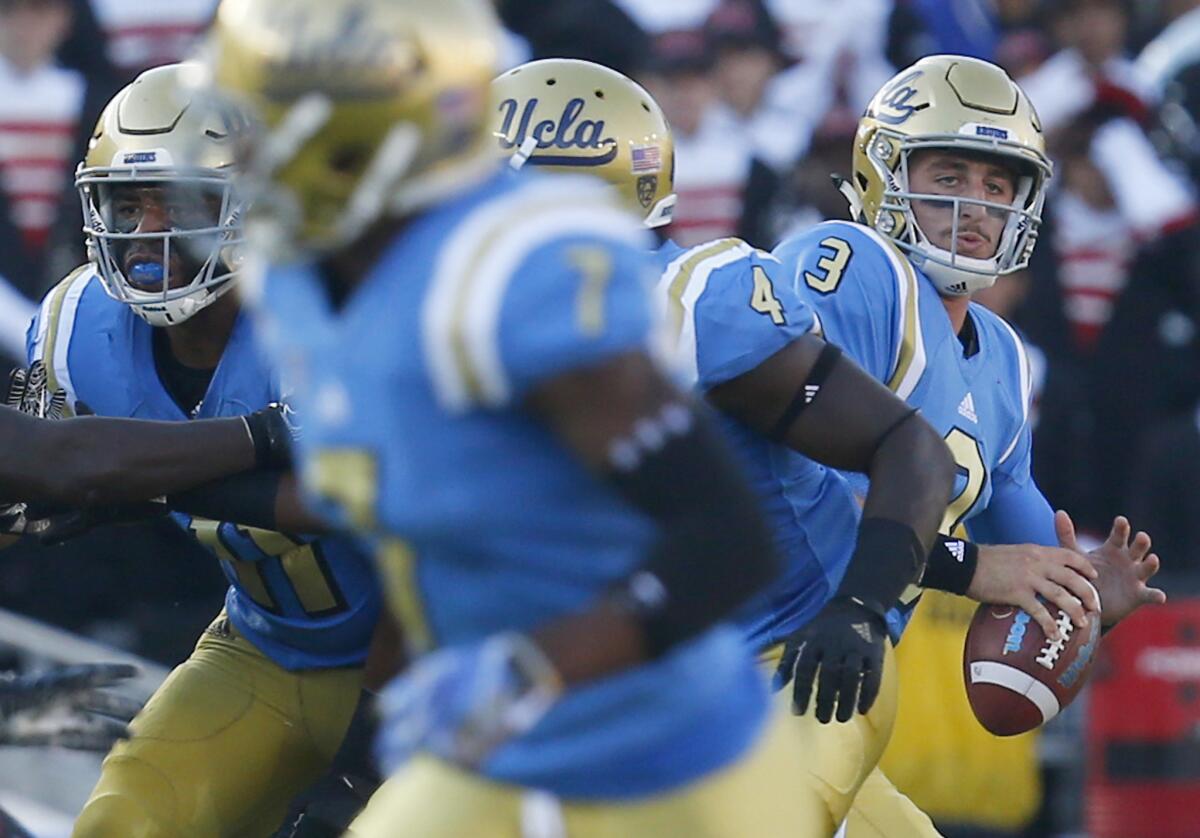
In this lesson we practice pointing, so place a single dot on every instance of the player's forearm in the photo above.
(911, 472)
(93, 460)
(266, 499)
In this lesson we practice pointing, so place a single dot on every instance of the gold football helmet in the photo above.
(581, 117)
(359, 108)
(955, 102)
(153, 135)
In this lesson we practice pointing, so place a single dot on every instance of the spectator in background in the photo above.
(147, 33)
(712, 157)
(1115, 293)
(591, 30)
(40, 110)
(1164, 498)
(1091, 68)
(746, 44)
(657, 17)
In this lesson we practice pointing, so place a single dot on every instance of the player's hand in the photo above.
(842, 650)
(274, 430)
(66, 707)
(462, 702)
(28, 392)
(1124, 568)
(1036, 579)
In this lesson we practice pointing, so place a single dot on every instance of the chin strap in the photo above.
(844, 186)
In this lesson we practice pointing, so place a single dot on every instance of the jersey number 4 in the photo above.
(763, 300)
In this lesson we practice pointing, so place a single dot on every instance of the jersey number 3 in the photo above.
(831, 267)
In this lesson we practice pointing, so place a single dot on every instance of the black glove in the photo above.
(842, 648)
(65, 707)
(273, 430)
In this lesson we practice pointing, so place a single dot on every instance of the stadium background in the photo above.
(764, 96)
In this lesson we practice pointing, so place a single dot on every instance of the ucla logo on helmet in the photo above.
(565, 133)
(895, 103)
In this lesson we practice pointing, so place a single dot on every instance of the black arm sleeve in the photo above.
(714, 551)
(247, 499)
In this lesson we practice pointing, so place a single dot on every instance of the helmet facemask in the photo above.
(203, 238)
(953, 273)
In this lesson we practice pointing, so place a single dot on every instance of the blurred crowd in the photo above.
(764, 97)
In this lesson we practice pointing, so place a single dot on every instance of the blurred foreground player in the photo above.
(949, 176)
(742, 339)
(149, 329)
(477, 382)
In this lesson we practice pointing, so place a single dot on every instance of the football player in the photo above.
(148, 329)
(729, 308)
(740, 336)
(949, 178)
(477, 381)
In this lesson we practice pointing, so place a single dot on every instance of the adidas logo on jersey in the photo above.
(966, 408)
(810, 392)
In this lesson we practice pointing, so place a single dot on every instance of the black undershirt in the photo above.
(968, 337)
(185, 385)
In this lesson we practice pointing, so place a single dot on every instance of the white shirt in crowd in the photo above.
(147, 33)
(39, 116)
(711, 167)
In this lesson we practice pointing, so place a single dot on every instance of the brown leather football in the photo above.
(1017, 679)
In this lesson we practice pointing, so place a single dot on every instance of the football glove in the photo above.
(462, 702)
(273, 430)
(842, 650)
(66, 707)
(28, 392)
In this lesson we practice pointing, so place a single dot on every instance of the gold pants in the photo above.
(222, 747)
(755, 797)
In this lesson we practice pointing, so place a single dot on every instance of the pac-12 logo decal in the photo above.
(895, 103)
(567, 132)
(647, 185)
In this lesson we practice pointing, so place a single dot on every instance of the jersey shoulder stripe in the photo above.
(56, 325)
(475, 266)
(682, 285)
(902, 286)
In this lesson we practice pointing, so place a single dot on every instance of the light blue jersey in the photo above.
(415, 428)
(887, 315)
(729, 308)
(305, 603)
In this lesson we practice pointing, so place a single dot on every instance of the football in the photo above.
(1016, 678)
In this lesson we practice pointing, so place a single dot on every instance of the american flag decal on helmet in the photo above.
(646, 158)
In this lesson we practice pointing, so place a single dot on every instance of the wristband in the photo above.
(951, 566)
